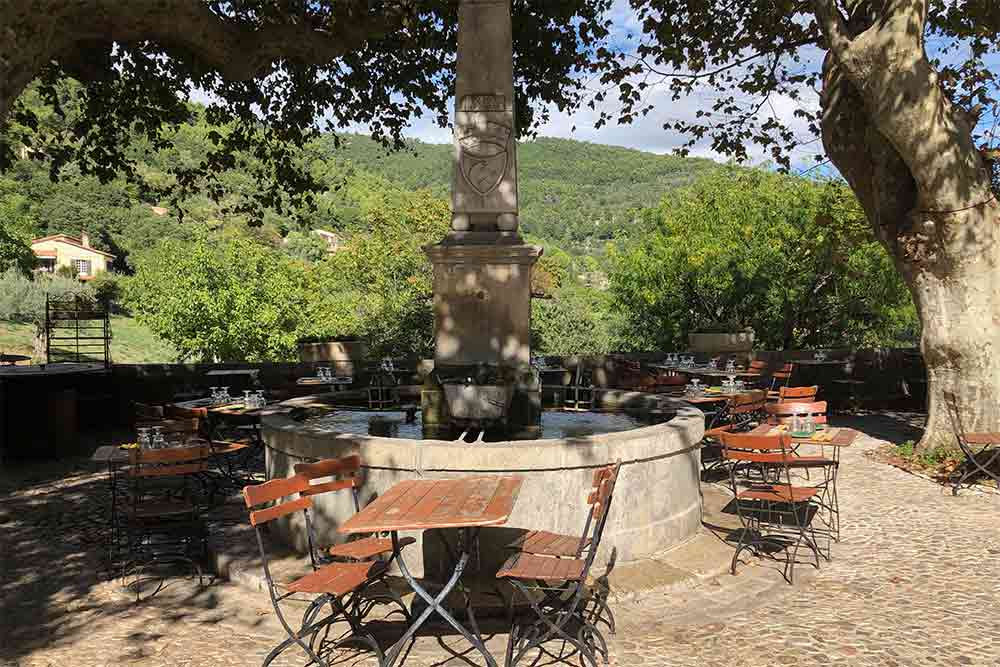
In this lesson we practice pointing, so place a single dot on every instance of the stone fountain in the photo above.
(482, 268)
(483, 377)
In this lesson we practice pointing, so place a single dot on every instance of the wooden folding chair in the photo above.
(743, 412)
(162, 522)
(341, 475)
(779, 378)
(784, 413)
(981, 450)
(797, 394)
(672, 384)
(777, 513)
(556, 590)
(339, 585)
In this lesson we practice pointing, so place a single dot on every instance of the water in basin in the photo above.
(392, 424)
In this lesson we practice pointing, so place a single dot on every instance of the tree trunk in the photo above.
(960, 341)
(909, 156)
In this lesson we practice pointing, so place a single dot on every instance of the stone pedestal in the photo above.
(482, 304)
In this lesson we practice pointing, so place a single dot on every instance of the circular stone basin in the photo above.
(393, 424)
(657, 503)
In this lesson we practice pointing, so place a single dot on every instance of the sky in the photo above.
(645, 133)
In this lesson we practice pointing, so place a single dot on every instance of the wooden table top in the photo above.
(251, 372)
(421, 504)
(716, 396)
(236, 408)
(820, 362)
(838, 436)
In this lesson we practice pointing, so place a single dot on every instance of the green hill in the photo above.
(572, 192)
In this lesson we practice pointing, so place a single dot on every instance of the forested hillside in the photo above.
(640, 249)
(572, 192)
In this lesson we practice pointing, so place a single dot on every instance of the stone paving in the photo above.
(915, 581)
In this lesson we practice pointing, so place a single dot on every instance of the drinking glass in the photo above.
(731, 365)
(740, 385)
(143, 438)
(158, 441)
(259, 400)
(247, 398)
(225, 397)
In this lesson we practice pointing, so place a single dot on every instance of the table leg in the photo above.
(434, 605)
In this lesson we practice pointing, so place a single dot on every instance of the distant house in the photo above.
(59, 250)
(332, 240)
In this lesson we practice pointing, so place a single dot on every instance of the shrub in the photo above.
(22, 298)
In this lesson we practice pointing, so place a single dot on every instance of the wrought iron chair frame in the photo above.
(782, 413)
(345, 606)
(565, 606)
(973, 447)
(786, 527)
(164, 537)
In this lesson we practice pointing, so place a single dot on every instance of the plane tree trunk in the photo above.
(909, 155)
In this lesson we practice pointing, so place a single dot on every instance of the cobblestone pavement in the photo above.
(915, 581)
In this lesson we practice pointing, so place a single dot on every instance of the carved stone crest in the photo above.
(483, 155)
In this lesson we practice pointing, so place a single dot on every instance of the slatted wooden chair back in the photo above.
(168, 462)
(748, 403)
(605, 480)
(165, 480)
(797, 394)
(783, 413)
(757, 365)
(340, 474)
(746, 448)
(270, 492)
(784, 373)
(180, 432)
(671, 383)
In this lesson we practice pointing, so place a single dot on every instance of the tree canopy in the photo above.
(791, 259)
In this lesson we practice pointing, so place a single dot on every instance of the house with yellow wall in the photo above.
(52, 252)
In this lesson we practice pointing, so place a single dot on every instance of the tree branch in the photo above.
(834, 27)
(235, 48)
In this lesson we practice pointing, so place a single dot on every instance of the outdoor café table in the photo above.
(706, 371)
(833, 437)
(237, 414)
(466, 504)
(335, 383)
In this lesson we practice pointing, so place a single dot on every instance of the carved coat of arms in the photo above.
(484, 152)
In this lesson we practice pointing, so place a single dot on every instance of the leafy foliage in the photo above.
(789, 258)
(16, 233)
(235, 301)
(22, 298)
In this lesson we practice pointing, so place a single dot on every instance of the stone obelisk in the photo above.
(482, 268)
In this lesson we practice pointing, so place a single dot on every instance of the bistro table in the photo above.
(338, 383)
(466, 504)
(706, 371)
(238, 415)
